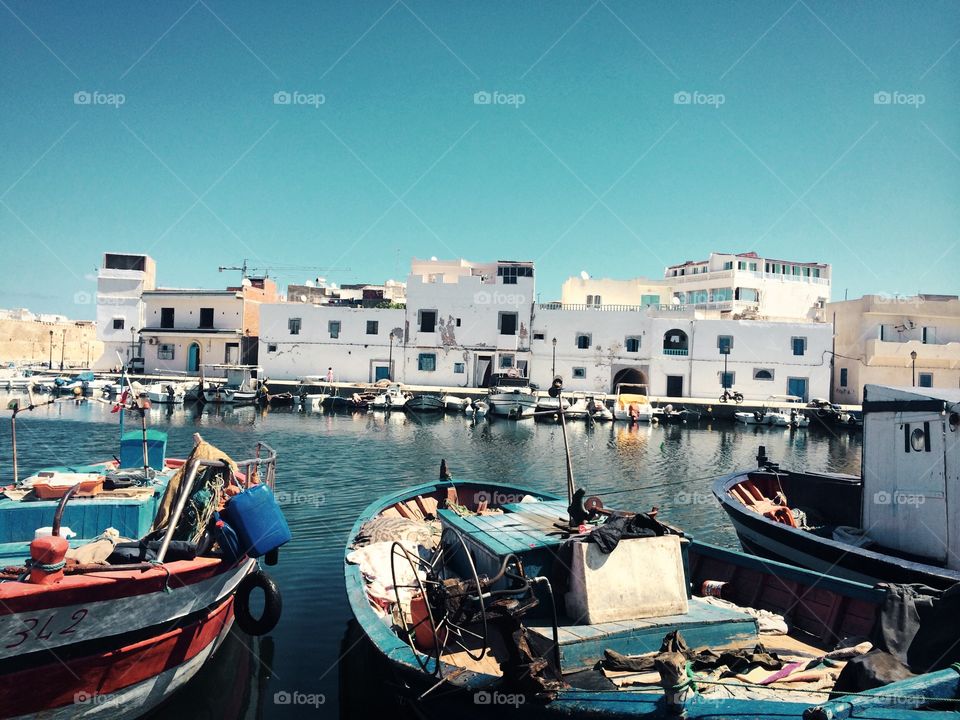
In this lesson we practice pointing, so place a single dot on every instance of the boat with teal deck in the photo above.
(481, 598)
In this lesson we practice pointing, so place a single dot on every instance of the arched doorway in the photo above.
(193, 358)
(675, 342)
(629, 376)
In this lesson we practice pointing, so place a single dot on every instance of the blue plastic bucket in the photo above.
(257, 520)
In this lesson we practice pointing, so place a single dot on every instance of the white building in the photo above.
(464, 321)
(739, 286)
(121, 282)
(887, 340)
(186, 328)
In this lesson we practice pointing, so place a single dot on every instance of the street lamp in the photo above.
(725, 351)
(50, 361)
(390, 361)
(63, 348)
(913, 363)
(553, 368)
(133, 334)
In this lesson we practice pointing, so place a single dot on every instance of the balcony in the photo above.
(676, 352)
(606, 308)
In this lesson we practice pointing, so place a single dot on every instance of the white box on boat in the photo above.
(641, 578)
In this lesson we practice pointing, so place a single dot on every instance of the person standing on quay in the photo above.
(329, 374)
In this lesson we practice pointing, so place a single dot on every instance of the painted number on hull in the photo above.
(44, 627)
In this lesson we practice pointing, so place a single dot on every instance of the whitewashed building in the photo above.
(738, 286)
(895, 340)
(121, 282)
(464, 321)
(186, 328)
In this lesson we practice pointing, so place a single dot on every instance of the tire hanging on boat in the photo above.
(272, 604)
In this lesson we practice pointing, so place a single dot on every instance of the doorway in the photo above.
(798, 387)
(482, 365)
(675, 386)
(231, 353)
(381, 372)
(193, 358)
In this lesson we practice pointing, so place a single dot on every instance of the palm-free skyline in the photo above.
(612, 137)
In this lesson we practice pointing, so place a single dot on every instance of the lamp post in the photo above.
(50, 361)
(133, 333)
(390, 361)
(913, 363)
(63, 348)
(725, 351)
(553, 367)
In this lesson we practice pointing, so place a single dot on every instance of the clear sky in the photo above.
(619, 137)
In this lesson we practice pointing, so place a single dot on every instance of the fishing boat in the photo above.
(480, 598)
(240, 387)
(511, 396)
(166, 393)
(478, 409)
(631, 403)
(598, 411)
(392, 397)
(454, 404)
(830, 415)
(760, 416)
(894, 523)
(424, 403)
(16, 378)
(669, 414)
(99, 626)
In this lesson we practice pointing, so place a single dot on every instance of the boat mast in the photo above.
(556, 391)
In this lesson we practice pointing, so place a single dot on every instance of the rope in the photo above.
(166, 582)
(30, 563)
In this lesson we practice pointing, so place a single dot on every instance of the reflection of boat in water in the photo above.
(864, 528)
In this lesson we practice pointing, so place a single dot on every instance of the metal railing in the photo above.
(606, 308)
(676, 351)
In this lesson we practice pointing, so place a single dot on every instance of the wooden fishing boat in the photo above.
(424, 403)
(475, 603)
(864, 528)
(102, 628)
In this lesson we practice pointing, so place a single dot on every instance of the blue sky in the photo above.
(588, 158)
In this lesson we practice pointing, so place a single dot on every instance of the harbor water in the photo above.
(332, 465)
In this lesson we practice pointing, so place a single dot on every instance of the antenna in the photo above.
(245, 270)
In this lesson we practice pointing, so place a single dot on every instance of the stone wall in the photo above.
(29, 341)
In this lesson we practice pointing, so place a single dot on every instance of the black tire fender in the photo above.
(272, 604)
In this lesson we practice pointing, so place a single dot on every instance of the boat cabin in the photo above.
(911, 471)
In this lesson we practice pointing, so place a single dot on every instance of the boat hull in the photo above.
(512, 405)
(425, 403)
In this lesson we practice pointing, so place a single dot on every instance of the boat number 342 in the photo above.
(45, 627)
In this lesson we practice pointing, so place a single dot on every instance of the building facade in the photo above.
(464, 321)
(121, 282)
(186, 328)
(900, 341)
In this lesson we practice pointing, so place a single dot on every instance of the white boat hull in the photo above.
(512, 405)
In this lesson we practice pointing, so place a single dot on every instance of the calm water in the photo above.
(334, 465)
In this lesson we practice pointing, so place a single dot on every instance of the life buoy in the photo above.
(272, 604)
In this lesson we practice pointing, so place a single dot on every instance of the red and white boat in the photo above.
(115, 640)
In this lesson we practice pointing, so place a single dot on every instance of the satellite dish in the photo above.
(433, 258)
(303, 298)
(246, 282)
(333, 286)
(309, 283)
(584, 275)
(676, 300)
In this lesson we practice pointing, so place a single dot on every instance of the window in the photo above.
(293, 324)
(762, 374)
(594, 300)
(843, 377)
(538, 336)
(333, 327)
(165, 352)
(925, 379)
(373, 327)
(799, 345)
(726, 379)
(427, 362)
(272, 347)
(649, 299)
(506, 361)
(816, 272)
(427, 320)
(929, 336)
(753, 267)
(632, 344)
(508, 323)
(725, 344)
(166, 317)
(206, 318)
(458, 368)
(728, 265)
(741, 265)
(510, 273)
(579, 373)
(458, 322)
(583, 342)
(118, 323)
